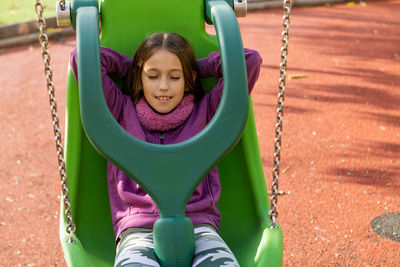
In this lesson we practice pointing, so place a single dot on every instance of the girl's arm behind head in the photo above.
(211, 66)
(112, 63)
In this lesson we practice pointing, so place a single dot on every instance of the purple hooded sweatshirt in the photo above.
(130, 205)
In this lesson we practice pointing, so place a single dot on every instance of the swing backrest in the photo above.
(244, 201)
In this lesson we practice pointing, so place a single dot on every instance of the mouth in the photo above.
(163, 98)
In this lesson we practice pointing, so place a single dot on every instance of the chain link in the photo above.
(273, 213)
(44, 41)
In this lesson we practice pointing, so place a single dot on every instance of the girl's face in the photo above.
(163, 81)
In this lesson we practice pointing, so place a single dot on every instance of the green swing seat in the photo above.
(92, 137)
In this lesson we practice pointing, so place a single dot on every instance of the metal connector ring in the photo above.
(240, 7)
(63, 15)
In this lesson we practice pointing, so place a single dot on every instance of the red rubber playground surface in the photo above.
(341, 143)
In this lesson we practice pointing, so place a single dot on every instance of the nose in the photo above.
(163, 83)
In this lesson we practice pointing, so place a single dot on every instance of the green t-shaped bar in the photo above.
(168, 173)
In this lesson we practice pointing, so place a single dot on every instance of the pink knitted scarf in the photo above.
(153, 121)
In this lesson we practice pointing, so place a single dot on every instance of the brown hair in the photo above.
(174, 43)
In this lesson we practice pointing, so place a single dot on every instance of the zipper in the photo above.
(162, 138)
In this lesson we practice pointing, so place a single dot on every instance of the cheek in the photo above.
(147, 84)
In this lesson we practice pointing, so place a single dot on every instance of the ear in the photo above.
(194, 76)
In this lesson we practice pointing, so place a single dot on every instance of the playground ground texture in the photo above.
(341, 140)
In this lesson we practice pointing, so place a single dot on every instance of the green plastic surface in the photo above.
(244, 215)
(177, 233)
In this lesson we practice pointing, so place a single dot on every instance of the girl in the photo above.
(163, 103)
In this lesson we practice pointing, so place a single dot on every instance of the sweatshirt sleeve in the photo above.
(211, 67)
(112, 63)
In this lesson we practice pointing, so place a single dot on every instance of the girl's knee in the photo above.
(136, 250)
(211, 250)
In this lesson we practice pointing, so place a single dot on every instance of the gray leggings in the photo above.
(136, 249)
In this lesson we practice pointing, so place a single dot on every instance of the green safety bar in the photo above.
(168, 173)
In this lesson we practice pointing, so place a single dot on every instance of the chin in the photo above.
(163, 111)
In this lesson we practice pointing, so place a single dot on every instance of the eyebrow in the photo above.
(156, 69)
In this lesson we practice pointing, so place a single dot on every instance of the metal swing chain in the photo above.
(44, 41)
(273, 213)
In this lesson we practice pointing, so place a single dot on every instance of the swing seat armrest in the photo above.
(270, 249)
